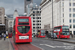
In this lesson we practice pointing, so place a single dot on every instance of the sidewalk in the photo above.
(5, 45)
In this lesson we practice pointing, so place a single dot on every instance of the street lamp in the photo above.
(52, 18)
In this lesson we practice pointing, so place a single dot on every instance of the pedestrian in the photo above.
(4, 36)
(34, 35)
(72, 35)
(0, 35)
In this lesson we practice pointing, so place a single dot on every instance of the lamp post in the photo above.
(52, 18)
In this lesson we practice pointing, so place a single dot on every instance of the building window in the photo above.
(33, 24)
(73, 26)
(33, 30)
(37, 24)
(37, 11)
(28, 0)
(73, 20)
(63, 15)
(70, 20)
(73, 4)
(33, 14)
(69, 9)
(33, 11)
(69, 4)
(63, 20)
(63, 9)
(37, 17)
(40, 20)
(37, 20)
(69, 15)
(70, 26)
(33, 27)
(74, 32)
(73, 15)
(33, 17)
(69, 0)
(40, 11)
(33, 21)
(73, 9)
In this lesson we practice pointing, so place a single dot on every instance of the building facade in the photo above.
(2, 14)
(46, 14)
(10, 22)
(3, 21)
(15, 14)
(26, 2)
(63, 13)
(35, 15)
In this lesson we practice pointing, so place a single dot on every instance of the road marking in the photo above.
(65, 47)
(48, 45)
(69, 44)
(38, 46)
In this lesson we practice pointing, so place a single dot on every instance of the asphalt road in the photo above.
(52, 45)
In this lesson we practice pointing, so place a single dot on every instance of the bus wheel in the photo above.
(59, 37)
(28, 42)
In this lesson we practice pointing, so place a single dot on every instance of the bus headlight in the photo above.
(16, 32)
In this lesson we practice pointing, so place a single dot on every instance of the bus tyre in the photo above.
(28, 42)
(59, 37)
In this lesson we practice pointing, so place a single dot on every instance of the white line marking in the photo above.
(65, 47)
(48, 45)
(38, 47)
(69, 44)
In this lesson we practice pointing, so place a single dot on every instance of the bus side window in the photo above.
(13, 32)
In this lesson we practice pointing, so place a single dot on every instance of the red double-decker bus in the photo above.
(41, 34)
(22, 29)
(62, 31)
(10, 35)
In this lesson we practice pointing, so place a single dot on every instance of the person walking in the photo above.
(4, 36)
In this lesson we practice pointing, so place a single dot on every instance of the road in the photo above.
(52, 45)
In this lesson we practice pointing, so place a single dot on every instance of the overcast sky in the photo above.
(11, 5)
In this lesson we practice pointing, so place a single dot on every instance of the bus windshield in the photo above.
(42, 32)
(65, 33)
(23, 29)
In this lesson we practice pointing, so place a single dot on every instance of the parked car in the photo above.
(53, 36)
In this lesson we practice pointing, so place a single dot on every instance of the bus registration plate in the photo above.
(23, 37)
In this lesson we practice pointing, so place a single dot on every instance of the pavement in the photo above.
(5, 45)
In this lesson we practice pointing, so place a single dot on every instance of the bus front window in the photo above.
(42, 32)
(65, 30)
(23, 29)
(65, 33)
